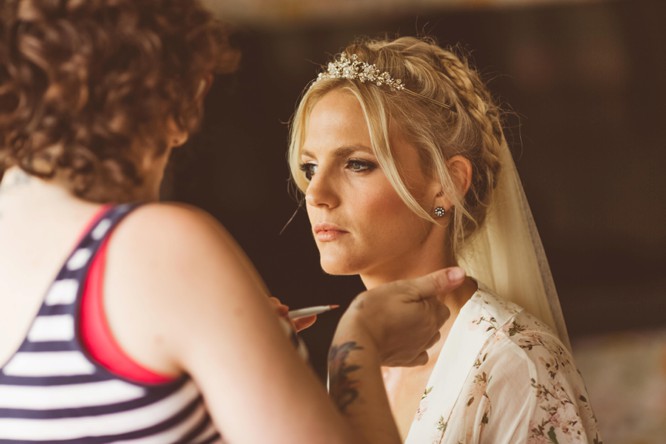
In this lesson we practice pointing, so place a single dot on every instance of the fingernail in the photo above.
(455, 273)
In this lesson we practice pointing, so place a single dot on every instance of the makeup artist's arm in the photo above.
(181, 297)
(370, 335)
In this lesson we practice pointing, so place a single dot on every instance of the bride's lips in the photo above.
(326, 232)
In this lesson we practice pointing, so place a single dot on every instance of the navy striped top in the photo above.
(52, 391)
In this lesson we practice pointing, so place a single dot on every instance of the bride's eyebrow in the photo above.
(342, 151)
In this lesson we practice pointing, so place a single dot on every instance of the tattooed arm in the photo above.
(357, 389)
(343, 384)
(390, 325)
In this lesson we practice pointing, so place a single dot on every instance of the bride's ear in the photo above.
(460, 168)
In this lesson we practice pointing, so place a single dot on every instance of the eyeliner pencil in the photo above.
(311, 311)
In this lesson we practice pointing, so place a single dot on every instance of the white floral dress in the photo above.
(503, 377)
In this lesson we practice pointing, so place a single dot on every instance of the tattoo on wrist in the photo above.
(343, 388)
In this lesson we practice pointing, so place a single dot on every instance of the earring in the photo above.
(178, 141)
(439, 211)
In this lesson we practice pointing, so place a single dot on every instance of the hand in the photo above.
(403, 318)
(299, 324)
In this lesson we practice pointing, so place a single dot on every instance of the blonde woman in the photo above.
(399, 151)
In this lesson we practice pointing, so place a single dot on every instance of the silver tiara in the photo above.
(350, 67)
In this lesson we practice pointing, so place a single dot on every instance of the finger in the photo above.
(281, 309)
(421, 359)
(442, 312)
(434, 340)
(439, 282)
(301, 324)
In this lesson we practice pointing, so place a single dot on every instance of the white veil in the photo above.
(506, 253)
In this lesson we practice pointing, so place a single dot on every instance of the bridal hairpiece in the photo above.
(350, 67)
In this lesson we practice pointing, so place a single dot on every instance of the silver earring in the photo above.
(439, 211)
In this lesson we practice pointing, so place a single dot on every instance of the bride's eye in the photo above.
(359, 166)
(308, 169)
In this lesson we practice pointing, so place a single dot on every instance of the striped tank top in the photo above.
(52, 391)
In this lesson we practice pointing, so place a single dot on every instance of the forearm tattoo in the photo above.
(343, 388)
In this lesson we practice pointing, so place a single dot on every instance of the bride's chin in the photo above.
(336, 268)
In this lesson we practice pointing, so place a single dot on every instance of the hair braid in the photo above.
(476, 102)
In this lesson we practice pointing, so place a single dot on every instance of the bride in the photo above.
(400, 153)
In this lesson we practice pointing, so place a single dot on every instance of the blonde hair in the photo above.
(454, 115)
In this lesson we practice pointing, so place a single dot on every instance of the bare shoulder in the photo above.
(162, 236)
(167, 226)
(173, 273)
(170, 247)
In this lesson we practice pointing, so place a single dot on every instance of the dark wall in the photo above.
(585, 88)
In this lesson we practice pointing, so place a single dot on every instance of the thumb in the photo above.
(439, 282)
(302, 323)
(443, 281)
(421, 359)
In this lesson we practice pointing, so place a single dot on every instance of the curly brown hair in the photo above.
(89, 87)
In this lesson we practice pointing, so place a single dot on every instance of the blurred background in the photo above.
(583, 84)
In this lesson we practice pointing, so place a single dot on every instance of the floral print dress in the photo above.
(503, 376)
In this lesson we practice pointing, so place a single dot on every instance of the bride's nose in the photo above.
(321, 191)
